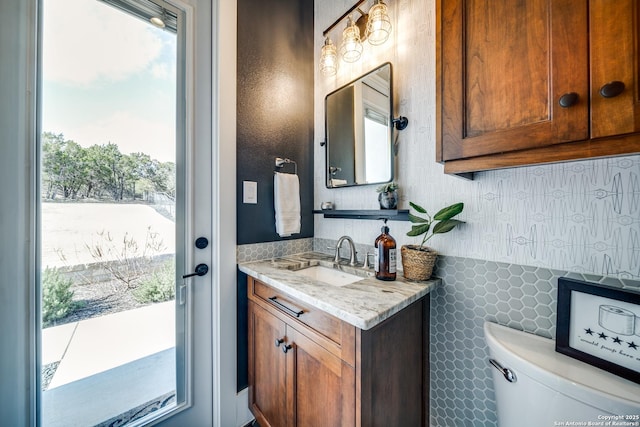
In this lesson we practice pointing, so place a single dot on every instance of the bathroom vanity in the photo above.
(348, 353)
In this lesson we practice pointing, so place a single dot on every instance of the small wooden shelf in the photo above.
(390, 214)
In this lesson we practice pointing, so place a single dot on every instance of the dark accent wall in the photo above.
(274, 110)
(274, 119)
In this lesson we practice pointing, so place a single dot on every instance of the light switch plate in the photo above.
(249, 192)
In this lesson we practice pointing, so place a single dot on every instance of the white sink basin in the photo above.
(329, 276)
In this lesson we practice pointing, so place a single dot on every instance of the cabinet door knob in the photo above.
(279, 341)
(612, 89)
(568, 99)
(286, 348)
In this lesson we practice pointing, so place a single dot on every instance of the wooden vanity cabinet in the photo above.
(522, 82)
(308, 368)
(303, 386)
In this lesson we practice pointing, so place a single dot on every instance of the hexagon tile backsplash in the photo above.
(472, 292)
(267, 250)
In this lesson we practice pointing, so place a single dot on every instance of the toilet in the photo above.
(535, 386)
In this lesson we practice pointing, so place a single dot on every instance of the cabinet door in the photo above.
(614, 45)
(320, 385)
(267, 369)
(505, 65)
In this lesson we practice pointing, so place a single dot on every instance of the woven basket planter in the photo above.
(417, 263)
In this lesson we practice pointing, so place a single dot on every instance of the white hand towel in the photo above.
(286, 197)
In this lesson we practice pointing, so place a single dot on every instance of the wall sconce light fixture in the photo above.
(329, 58)
(374, 26)
(351, 46)
(378, 24)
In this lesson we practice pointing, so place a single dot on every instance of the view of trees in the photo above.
(71, 171)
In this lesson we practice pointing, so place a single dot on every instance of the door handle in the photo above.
(201, 270)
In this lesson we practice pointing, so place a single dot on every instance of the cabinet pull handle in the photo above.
(279, 341)
(286, 348)
(568, 99)
(284, 307)
(612, 89)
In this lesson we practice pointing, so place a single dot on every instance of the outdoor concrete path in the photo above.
(108, 364)
(95, 345)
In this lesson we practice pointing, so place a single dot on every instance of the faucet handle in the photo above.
(366, 263)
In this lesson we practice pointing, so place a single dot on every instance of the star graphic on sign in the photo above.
(602, 335)
(633, 345)
(589, 331)
(617, 340)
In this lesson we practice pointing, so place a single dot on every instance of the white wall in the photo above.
(17, 218)
(579, 216)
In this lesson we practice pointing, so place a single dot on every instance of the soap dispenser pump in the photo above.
(385, 255)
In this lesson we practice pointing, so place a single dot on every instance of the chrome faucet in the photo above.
(353, 259)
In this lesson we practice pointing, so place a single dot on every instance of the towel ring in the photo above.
(280, 162)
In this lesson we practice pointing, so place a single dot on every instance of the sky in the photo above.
(108, 77)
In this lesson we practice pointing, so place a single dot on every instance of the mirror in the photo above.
(358, 128)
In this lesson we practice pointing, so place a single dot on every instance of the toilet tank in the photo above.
(551, 389)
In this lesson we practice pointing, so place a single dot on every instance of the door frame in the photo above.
(18, 248)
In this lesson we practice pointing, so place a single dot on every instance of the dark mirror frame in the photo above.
(344, 147)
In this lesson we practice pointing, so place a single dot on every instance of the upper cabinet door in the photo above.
(514, 75)
(615, 67)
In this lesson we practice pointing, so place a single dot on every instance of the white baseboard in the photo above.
(243, 415)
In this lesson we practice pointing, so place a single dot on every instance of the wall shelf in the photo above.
(390, 214)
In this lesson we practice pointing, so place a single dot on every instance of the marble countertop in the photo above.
(363, 304)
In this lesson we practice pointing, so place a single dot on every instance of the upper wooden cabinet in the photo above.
(524, 82)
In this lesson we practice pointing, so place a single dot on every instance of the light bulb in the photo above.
(351, 46)
(159, 21)
(378, 24)
(329, 58)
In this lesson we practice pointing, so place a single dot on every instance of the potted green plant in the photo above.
(388, 195)
(418, 260)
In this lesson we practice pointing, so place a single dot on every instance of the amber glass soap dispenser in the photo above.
(385, 263)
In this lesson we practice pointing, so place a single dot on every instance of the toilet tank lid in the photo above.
(535, 356)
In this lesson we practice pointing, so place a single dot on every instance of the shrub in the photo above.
(57, 297)
(126, 260)
(159, 286)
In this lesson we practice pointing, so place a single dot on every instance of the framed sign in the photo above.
(600, 325)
